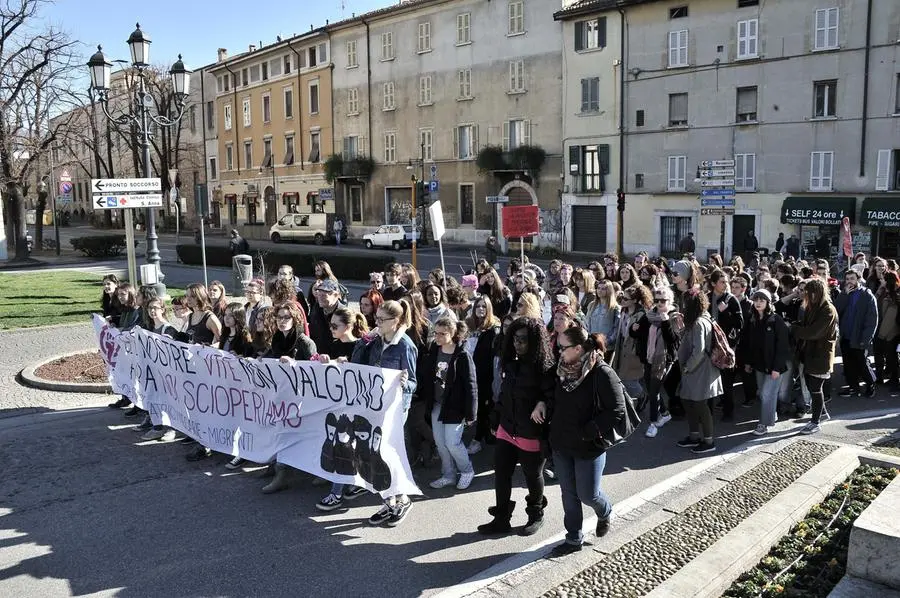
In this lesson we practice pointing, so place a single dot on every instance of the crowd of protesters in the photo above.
(539, 365)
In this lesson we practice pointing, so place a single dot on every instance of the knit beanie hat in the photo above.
(762, 293)
(682, 269)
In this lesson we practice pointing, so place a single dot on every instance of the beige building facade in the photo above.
(273, 117)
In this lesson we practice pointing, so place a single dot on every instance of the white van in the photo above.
(302, 227)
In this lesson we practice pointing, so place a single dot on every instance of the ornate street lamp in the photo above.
(140, 116)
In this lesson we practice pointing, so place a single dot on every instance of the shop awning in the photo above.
(880, 211)
(817, 210)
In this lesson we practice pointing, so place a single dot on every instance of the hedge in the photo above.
(100, 245)
(345, 266)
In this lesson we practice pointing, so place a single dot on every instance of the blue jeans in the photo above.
(768, 396)
(579, 482)
(448, 439)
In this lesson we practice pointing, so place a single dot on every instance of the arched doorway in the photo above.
(271, 205)
(519, 193)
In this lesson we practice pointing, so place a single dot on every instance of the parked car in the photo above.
(396, 236)
(316, 227)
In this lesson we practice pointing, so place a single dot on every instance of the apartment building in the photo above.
(273, 116)
(804, 96)
(464, 93)
(592, 93)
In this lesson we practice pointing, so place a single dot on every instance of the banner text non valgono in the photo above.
(343, 422)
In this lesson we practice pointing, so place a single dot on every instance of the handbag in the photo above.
(624, 425)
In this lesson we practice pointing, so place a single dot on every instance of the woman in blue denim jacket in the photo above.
(388, 346)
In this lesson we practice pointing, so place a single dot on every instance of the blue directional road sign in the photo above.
(723, 192)
(721, 202)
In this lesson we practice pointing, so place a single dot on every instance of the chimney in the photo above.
(253, 47)
(222, 55)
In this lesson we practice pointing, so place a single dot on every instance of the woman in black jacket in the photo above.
(483, 330)
(766, 349)
(657, 343)
(526, 380)
(452, 399)
(588, 401)
(236, 338)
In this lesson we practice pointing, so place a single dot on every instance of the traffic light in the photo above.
(621, 200)
(421, 193)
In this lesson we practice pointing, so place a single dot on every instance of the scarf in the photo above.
(656, 345)
(572, 374)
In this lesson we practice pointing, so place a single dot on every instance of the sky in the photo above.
(194, 28)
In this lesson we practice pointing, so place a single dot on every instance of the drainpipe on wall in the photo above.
(300, 111)
(865, 101)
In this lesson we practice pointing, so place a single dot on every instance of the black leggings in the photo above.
(483, 421)
(506, 456)
(814, 386)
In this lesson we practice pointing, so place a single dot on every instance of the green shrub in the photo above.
(347, 266)
(100, 245)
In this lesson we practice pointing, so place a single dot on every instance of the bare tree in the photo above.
(36, 64)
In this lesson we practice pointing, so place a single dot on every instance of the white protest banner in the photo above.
(342, 422)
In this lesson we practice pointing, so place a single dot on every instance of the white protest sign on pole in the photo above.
(341, 422)
(438, 230)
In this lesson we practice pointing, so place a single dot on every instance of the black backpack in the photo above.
(626, 424)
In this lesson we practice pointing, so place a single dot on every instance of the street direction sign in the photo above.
(717, 182)
(107, 186)
(716, 163)
(112, 202)
(717, 211)
(719, 192)
(726, 202)
(497, 198)
(729, 172)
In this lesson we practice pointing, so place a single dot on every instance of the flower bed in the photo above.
(83, 367)
(812, 558)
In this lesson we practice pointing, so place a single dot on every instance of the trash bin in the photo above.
(242, 273)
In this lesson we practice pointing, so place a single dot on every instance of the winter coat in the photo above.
(293, 344)
(459, 401)
(731, 320)
(816, 335)
(398, 354)
(439, 311)
(700, 379)
(522, 387)
(627, 362)
(765, 346)
(580, 416)
(670, 336)
(483, 357)
(858, 323)
(320, 322)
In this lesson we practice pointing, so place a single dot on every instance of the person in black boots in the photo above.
(588, 401)
(526, 379)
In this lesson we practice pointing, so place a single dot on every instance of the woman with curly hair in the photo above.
(262, 330)
(369, 302)
(700, 379)
(526, 379)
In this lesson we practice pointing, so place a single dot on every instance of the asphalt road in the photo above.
(456, 259)
(88, 509)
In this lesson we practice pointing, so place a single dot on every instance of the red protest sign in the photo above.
(520, 221)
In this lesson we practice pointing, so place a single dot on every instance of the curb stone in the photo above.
(28, 377)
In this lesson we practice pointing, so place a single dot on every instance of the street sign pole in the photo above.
(129, 244)
(722, 237)
(53, 190)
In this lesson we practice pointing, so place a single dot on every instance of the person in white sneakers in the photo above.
(453, 398)
(656, 335)
(766, 349)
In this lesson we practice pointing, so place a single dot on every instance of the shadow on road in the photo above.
(90, 506)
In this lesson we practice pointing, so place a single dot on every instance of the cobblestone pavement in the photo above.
(21, 348)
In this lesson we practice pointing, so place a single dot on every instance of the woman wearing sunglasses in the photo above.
(657, 343)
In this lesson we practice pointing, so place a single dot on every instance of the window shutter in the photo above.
(832, 27)
(753, 36)
(742, 38)
(579, 35)
(814, 176)
(574, 159)
(526, 132)
(362, 146)
(603, 153)
(455, 143)
(585, 95)
(346, 151)
(883, 171)
(474, 140)
(683, 46)
(601, 32)
(506, 136)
